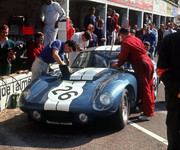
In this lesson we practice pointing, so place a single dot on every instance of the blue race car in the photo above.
(95, 90)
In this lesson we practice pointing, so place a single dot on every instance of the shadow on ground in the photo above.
(22, 132)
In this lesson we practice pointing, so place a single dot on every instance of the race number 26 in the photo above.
(65, 93)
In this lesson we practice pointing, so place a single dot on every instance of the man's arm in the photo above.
(61, 12)
(79, 48)
(56, 57)
(123, 57)
(163, 64)
(42, 16)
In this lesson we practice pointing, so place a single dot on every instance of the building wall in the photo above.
(29, 9)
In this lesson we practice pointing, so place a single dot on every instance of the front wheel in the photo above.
(121, 116)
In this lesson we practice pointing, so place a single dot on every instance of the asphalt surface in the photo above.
(18, 132)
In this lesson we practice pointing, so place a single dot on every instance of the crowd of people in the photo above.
(138, 46)
(93, 35)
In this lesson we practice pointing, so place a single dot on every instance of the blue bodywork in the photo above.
(106, 80)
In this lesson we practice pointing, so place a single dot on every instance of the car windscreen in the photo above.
(95, 59)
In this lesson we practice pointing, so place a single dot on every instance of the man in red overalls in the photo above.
(132, 50)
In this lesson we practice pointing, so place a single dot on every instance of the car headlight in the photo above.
(106, 99)
(104, 102)
(25, 94)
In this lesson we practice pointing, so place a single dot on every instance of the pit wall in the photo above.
(14, 84)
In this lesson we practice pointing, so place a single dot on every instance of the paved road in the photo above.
(19, 133)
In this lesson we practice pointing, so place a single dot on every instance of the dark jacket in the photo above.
(160, 34)
(5, 65)
(89, 19)
(168, 68)
(9, 45)
(100, 34)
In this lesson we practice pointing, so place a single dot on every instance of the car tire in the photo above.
(121, 116)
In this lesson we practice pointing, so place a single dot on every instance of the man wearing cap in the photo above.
(53, 52)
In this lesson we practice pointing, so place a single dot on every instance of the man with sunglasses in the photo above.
(53, 52)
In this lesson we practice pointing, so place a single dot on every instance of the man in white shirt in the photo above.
(82, 42)
(51, 14)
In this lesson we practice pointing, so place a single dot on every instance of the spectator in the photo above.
(94, 40)
(110, 26)
(140, 32)
(135, 27)
(99, 31)
(168, 69)
(155, 32)
(177, 28)
(146, 19)
(35, 47)
(150, 36)
(6, 51)
(132, 50)
(82, 41)
(90, 18)
(160, 37)
(147, 48)
(116, 35)
(116, 18)
(71, 30)
(51, 14)
(169, 30)
(133, 32)
(53, 52)
(150, 20)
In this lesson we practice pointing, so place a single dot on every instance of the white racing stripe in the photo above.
(86, 74)
(62, 96)
(155, 136)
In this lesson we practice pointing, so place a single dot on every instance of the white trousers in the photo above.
(39, 68)
(50, 34)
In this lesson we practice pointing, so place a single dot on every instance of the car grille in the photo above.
(58, 116)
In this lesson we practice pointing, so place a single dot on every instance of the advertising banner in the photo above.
(174, 11)
(159, 6)
(143, 4)
(169, 9)
(148, 5)
(162, 7)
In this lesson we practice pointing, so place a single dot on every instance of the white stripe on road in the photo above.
(157, 137)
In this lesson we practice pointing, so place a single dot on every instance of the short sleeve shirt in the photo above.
(78, 38)
(47, 52)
